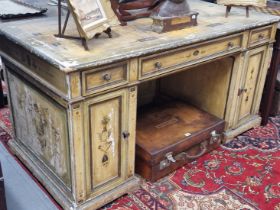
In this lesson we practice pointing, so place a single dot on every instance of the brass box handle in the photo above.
(203, 149)
(169, 157)
(215, 137)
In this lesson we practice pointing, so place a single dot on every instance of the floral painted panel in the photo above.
(41, 126)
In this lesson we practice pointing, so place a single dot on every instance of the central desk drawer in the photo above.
(104, 78)
(167, 61)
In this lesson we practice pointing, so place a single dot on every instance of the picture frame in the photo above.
(92, 17)
(257, 3)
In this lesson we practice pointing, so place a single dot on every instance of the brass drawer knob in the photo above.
(261, 36)
(107, 77)
(158, 65)
(230, 45)
(195, 53)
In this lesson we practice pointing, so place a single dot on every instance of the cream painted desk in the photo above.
(74, 112)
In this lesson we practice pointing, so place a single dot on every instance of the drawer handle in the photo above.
(195, 53)
(261, 36)
(242, 90)
(107, 77)
(230, 45)
(203, 148)
(126, 135)
(158, 65)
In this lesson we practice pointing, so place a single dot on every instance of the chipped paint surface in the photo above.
(130, 41)
(41, 127)
(111, 137)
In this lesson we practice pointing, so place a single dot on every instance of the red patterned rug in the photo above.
(242, 174)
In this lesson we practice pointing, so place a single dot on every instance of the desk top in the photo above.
(136, 39)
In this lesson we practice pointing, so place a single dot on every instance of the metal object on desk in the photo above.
(244, 3)
(132, 9)
(173, 15)
(16, 9)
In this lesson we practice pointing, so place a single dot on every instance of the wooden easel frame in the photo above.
(62, 28)
(228, 8)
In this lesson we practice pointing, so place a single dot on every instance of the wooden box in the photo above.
(171, 134)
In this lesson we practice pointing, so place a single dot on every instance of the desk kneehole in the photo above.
(171, 134)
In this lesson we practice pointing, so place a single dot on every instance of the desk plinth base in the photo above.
(253, 122)
(93, 203)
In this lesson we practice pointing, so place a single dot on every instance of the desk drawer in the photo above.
(104, 78)
(260, 36)
(153, 65)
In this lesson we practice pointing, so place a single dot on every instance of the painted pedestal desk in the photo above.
(74, 111)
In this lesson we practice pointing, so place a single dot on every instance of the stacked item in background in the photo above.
(2, 192)
(275, 110)
(271, 97)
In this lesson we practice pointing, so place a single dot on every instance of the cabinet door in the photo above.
(252, 83)
(109, 147)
